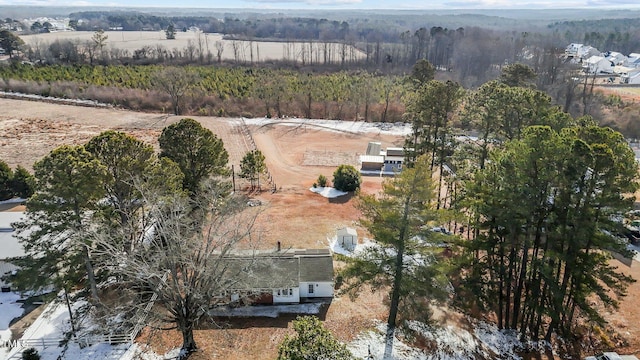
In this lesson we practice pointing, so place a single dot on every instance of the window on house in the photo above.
(290, 292)
(310, 288)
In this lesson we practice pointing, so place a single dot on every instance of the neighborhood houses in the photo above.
(594, 62)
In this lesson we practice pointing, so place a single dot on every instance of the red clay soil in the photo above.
(293, 215)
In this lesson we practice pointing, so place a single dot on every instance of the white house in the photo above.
(347, 238)
(10, 247)
(587, 51)
(572, 49)
(616, 58)
(281, 277)
(597, 65)
(393, 159)
(632, 77)
(633, 60)
(381, 162)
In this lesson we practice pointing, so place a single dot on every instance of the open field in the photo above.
(295, 156)
(262, 50)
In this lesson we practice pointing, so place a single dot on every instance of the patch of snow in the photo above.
(49, 329)
(270, 311)
(142, 352)
(337, 125)
(370, 345)
(9, 310)
(92, 103)
(636, 249)
(501, 342)
(337, 248)
(327, 192)
(448, 343)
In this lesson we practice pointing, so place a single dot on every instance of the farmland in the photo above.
(237, 50)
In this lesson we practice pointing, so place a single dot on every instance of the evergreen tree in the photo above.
(198, 152)
(22, 183)
(405, 259)
(69, 183)
(10, 42)
(545, 205)
(252, 166)
(6, 176)
(312, 341)
(170, 33)
(518, 75)
(126, 159)
(346, 178)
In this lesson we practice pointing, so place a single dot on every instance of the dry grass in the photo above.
(134, 40)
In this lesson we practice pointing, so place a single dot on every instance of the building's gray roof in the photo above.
(263, 273)
(372, 159)
(279, 270)
(316, 269)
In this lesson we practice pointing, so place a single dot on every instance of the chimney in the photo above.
(278, 247)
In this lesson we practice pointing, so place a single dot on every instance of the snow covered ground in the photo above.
(9, 309)
(445, 343)
(635, 248)
(337, 125)
(327, 192)
(484, 341)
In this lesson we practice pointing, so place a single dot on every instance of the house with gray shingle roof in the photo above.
(286, 276)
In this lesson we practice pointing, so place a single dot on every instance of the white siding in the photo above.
(279, 296)
(320, 289)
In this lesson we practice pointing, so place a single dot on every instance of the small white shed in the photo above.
(348, 238)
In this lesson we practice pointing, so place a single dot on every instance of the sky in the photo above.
(342, 4)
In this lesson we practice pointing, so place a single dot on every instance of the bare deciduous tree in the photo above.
(176, 82)
(183, 259)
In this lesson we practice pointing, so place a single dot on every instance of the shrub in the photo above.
(346, 178)
(312, 341)
(322, 181)
(30, 354)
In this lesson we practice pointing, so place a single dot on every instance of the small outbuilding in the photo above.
(348, 238)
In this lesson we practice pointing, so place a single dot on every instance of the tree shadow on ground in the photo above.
(342, 199)
(282, 321)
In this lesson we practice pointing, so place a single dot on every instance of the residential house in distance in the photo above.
(381, 162)
(597, 65)
(288, 276)
(579, 51)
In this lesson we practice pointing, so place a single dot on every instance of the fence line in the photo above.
(252, 145)
(88, 340)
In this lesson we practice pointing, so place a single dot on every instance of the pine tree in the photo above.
(312, 341)
(252, 166)
(68, 186)
(406, 256)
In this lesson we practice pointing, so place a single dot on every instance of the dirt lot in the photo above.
(295, 156)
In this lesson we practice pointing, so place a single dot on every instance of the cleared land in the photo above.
(260, 50)
(295, 155)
